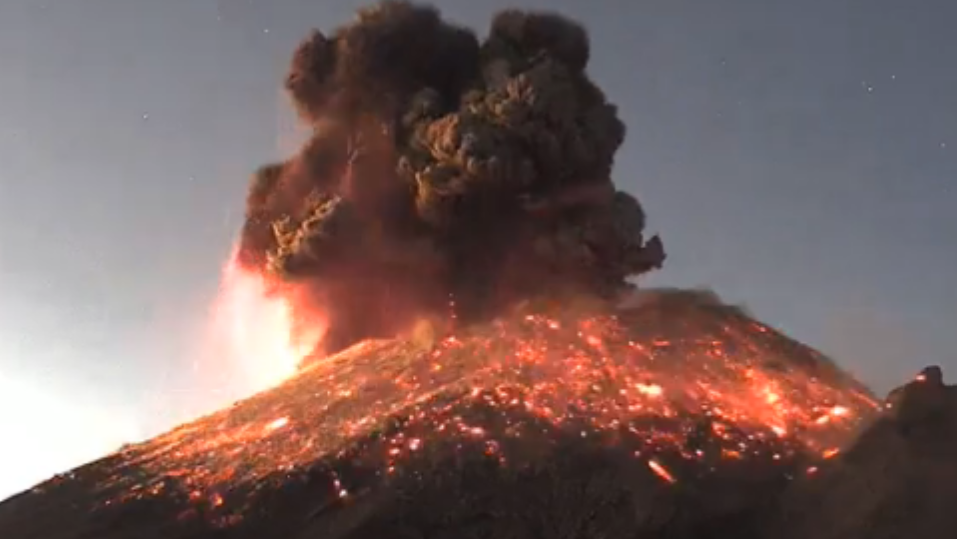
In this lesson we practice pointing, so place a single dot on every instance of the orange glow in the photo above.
(839, 411)
(591, 374)
(661, 471)
(649, 389)
(263, 340)
(277, 424)
(830, 453)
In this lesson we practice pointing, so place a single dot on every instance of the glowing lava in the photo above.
(661, 471)
(700, 385)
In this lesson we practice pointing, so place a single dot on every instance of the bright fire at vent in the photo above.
(263, 340)
(655, 374)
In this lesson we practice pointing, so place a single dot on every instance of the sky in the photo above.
(797, 157)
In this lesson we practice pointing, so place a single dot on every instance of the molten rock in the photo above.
(673, 415)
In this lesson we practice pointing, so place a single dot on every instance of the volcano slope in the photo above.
(898, 481)
(672, 416)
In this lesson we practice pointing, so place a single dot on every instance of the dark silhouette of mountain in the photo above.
(898, 481)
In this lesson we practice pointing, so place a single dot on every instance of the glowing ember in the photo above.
(830, 453)
(650, 390)
(839, 411)
(663, 382)
(277, 424)
(661, 472)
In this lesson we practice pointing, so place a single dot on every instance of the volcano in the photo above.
(481, 364)
(670, 414)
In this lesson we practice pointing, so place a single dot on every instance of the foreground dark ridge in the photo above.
(677, 416)
(898, 481)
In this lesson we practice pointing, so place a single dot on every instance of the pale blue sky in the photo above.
(799, 157)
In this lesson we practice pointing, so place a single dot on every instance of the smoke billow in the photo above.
(444, 170)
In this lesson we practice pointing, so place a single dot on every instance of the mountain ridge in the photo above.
(692, 399)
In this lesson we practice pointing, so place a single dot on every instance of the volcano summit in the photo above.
(675, 416)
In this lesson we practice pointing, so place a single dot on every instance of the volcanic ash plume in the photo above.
(444, 172)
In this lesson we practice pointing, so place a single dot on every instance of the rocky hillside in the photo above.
(898, 481)
(672, 415)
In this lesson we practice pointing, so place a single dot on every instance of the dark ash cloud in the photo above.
(444, 168)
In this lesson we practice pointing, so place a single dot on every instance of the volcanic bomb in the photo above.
(445, 174)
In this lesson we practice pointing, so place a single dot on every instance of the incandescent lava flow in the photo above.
(659, 371)
(688, 385)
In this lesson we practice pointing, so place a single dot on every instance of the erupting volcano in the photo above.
(440, 286)
(689, 390)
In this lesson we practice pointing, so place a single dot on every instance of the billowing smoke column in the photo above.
(444, 171)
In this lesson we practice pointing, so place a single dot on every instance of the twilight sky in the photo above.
(798, 157)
